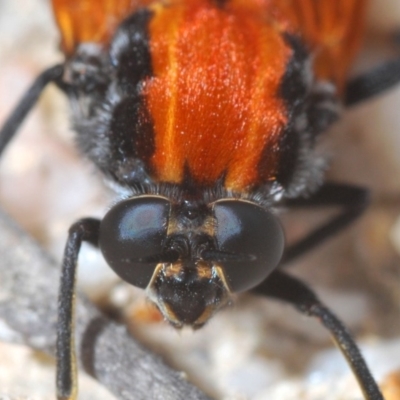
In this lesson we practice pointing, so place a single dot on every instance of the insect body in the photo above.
(203, 108)
(205, 114)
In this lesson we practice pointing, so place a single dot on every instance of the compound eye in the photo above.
(254, 235)
(132, 234)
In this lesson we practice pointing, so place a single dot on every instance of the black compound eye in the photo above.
(252, 235)
(132, 233)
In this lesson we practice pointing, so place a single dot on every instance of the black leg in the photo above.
(291, 290)
(352, 199)
(372, 83)
(85, 230)
(14, 121)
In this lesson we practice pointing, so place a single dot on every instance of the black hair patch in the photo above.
(130, 50)
(131, 138)
(295, 83)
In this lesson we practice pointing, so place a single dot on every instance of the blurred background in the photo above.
(257, 349)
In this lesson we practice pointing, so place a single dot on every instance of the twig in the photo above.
(28, 305)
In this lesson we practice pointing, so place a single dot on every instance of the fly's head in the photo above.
(190, 257)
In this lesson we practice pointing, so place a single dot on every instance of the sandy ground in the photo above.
(257, 349)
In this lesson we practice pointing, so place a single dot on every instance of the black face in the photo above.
(191, 258)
